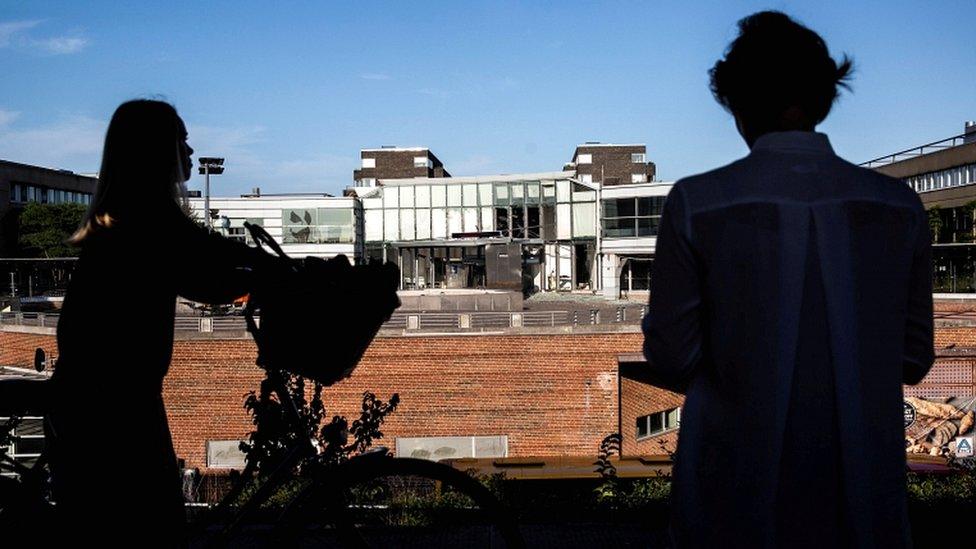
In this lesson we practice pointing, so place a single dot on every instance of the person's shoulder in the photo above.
(885, 187)
(708, 184)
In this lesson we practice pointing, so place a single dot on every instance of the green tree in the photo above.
(45, 228)
(935, 222)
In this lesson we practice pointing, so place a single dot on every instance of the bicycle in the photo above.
(326, 493)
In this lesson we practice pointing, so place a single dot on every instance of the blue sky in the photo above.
(289, 92)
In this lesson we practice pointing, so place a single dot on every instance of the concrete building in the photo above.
(590, 227)
(396, 163)
(944, 175)
(531, 232)
(23, 183)
(612, 164)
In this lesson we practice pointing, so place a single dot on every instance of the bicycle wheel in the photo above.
(378, 501)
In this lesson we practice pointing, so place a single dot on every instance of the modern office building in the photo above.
(944, 175)
(21, 184)
(528, 232)
(590, 227)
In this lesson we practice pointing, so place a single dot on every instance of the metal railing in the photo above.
(402, 321)
(934, 146)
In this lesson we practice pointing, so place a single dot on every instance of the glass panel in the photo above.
(562, 190)
(518, 190)
(501, 194)
(647, 226)
(534, 229)
(470, 220)
(455, 223)
(671, 421)
(470, 195)
(656, 422)
(372, 203)
(584, 196)
(454, 195)
(406, 224)
(438, 196)
(563, 226)
(484, 194)
(297, 226)
(532, 189)
(549, 194)
(374, 225)
(518, 222)
(649, 205)
(391, 224)
(390, 197)
(422, 196)
(501, 221)
(487, 219)
(584, 219)
(334, 216)
(438, 223)
(406, 197)
(423, 224)
(619, 207)
(619, 227)
(642, 426)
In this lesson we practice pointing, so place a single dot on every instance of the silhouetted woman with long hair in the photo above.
(115, 470)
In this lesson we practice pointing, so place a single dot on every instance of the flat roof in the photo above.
(381, 149)
(59, 171)
(611, 145)
(482, 178)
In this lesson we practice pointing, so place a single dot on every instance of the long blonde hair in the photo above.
(142, 168)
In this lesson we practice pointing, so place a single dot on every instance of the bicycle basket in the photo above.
(318, 317)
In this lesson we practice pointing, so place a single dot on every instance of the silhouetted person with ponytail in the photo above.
(115, 472)
(790, 300)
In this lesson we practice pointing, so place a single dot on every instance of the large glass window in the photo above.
(632, 217)
(317, 226)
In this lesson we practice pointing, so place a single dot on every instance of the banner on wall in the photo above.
(940, 426)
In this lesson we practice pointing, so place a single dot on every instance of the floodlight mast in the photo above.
(209, 165)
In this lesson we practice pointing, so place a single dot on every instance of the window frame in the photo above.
(663, 416)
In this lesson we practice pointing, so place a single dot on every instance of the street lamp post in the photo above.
(209, 165)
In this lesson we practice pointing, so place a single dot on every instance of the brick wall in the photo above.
(640, 399)
(17, 349)
(552, 394)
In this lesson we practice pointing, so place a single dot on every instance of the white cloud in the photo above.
(434, 92)
(61, 45)
(374, 76)
(10, 30)
(6, 117)
(17, 34)
(73, 142)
